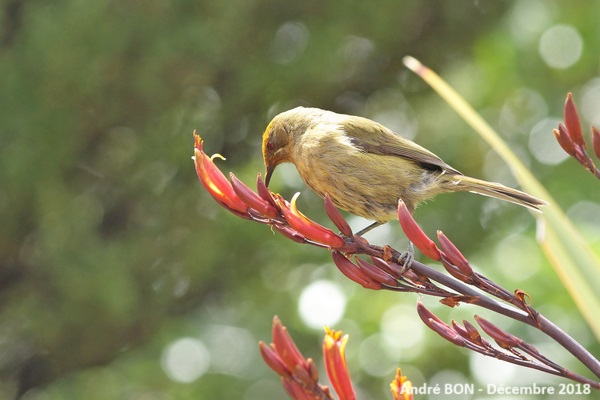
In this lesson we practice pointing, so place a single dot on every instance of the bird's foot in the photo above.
(406, 258)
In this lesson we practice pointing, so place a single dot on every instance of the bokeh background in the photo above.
(120, 278)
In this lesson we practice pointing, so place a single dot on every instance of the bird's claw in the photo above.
(406, 258)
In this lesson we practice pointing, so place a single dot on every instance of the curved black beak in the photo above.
(270, 170)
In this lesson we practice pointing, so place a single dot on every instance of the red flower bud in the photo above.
(415, 234)
(251, 198)
(264, 192)
(336, 217)
(286, 348)
(451, 252)
(572, 121)
(504, 339)
(376, 273)
(272, 359)
(564, 140)
(353, 272)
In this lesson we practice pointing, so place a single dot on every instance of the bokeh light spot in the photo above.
(527, 19)
(232, 350)
(375, 358)
(321, 303)
(590, 102)
(561, 46)
(523, 250)
(403, 332)
(185, 360)
(289, 42)
(542, 144)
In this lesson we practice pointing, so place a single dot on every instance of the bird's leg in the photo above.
(368, 228)
(407, 257)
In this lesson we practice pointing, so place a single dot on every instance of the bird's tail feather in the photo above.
(498, 191)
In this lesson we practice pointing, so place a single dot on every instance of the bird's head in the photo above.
(276, 145)
(281, 135)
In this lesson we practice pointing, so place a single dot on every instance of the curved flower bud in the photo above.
(306, 227)
(272, 359)
(263, 191)
(215, 182)
(572, 121)
(251, 198)
(375, 273)
(451, 252)
(286, 348)
(415, 234)
(353, 272)
(335, 363)
(504, 339)
(438, 326)
(564, 140)
(334, 215)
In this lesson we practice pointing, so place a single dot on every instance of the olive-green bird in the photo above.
(365, 167)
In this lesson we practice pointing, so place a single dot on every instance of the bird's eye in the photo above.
(270, 146)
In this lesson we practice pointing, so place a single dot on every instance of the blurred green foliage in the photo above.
(110, 250)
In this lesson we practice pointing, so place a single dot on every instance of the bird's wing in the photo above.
(375, 138)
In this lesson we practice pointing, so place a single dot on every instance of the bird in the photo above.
(366, 168)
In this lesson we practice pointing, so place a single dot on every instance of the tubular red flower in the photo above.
(564, 140)
(272, 359)
(383, 265)
(438, 326)
(572, 121)
(376, 273)
(264, 192)
(353, 272)
(306, 227)
(335, 363)
(251, 198)
(286, 348)
(445, 331)
(334, 214)
(454, 255)
(504, 339)
(215, 182)
(415, 234)
(425, 313)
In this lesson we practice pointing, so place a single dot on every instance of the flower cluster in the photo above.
(299, 375)
(263, 205)
(571, 140)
